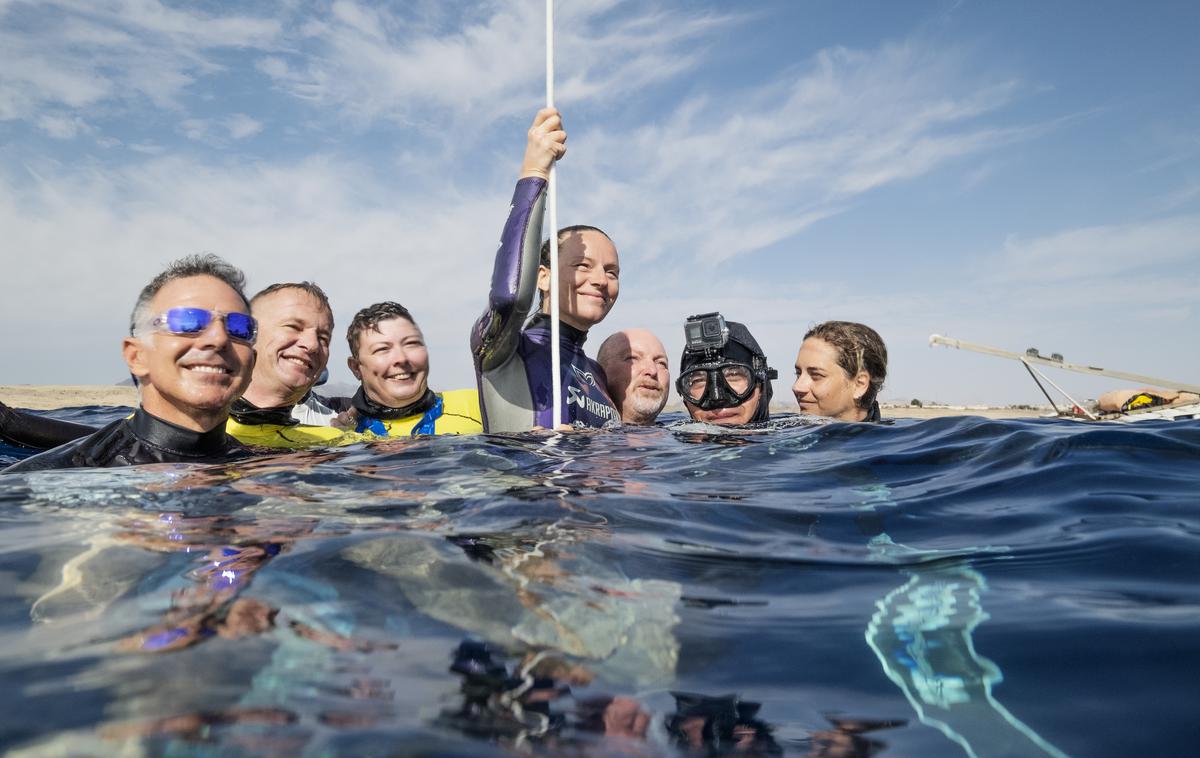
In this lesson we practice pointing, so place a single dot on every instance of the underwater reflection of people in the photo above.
(212, 606)
(720, 725)
(724, 378)
(845, 739)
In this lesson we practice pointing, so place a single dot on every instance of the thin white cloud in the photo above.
(1101, 252)
(1181, 197)
(720, 178)
(80, 53)
(194, 128)
(373, 63)
(237, 126)
(241, 126)
(62, 127)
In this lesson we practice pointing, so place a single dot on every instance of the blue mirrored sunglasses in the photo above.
(192, 321)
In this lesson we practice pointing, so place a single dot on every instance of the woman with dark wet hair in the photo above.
(840, 370)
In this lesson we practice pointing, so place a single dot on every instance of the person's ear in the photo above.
(355, 368)
(543, 280)
(136, 356)
(862, 383)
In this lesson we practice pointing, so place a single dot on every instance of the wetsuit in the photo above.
(304, 424)
(141, 438)
(450, 412)
(513, 365)
(873, 415)
(312, 410)
(38, 432)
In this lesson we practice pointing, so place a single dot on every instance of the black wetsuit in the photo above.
(141, 438)
(38, 432)
(25, 429)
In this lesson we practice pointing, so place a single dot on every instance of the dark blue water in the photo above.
(946, 587)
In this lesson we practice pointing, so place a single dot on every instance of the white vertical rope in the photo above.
(552, 201)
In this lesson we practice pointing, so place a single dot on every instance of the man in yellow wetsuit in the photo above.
(279, 408)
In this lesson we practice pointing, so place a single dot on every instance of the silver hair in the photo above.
(205, 264)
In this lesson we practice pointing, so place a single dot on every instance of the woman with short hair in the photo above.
(389, 358)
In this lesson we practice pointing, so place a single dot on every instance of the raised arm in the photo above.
(514, 278)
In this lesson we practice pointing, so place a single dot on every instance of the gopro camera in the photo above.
(706, 332)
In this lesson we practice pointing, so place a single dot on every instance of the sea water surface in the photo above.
(947, 587)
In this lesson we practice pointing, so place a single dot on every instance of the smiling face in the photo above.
(588, 279)
(735, 416)
(191, 380)
(823, 388)
(294, 330)
(392, 363)
(635, 364)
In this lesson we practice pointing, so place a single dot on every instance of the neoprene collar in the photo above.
(565, 330)
(246, 412)
(368, 408)
(873, 414)
(175, 439)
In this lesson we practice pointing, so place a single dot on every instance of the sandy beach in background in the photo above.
(42, 397)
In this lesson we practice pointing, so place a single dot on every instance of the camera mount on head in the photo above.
(705, 333)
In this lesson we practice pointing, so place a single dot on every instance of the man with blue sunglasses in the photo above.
(191, 351)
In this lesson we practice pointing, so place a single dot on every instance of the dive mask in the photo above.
(722, 363)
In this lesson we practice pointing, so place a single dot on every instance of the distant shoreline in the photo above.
(45, 397)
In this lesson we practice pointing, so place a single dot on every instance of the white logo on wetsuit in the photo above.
(584, 376)
(580, 397)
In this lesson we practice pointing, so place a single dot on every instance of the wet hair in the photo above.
(205, 264)
(370, 317)
(311, 288)
(563, 234)
(859, 348)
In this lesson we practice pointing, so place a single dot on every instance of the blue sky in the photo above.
(1017, 174)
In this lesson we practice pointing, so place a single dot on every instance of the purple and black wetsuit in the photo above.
(512, 364)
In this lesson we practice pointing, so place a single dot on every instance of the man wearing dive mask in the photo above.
(724, 378)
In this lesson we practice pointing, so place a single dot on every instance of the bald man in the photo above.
(635, 363)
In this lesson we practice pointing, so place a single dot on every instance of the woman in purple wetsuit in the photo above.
(512, 357)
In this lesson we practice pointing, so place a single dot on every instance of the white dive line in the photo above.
(552, 201)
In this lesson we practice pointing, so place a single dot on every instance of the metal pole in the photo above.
(552, 202)
(937, 339)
